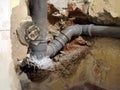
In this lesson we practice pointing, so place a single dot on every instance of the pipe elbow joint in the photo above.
(75, 30)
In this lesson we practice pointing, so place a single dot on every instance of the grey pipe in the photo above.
(105, 31)
(77, 30)
(38, 12)
(63, 38)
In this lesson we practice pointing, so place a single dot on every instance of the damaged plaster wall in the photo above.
(8, 77)
(105, 12)
(111, 6)
(101, 67)
(19, 14)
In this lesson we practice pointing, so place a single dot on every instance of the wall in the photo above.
(8, 77)
(101, 67)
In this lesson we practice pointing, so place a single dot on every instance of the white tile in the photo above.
(4, 14)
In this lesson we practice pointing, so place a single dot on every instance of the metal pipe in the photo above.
(77, 30)
(38, 12)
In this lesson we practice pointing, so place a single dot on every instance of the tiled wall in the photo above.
(6, 78)
(4, 14)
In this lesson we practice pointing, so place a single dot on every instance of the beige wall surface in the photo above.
(8, 78)
(14, 3)
(111, 6)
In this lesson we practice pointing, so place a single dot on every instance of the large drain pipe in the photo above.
(38, 12)
(77, 30)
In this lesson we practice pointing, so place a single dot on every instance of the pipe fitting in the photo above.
(38, 12)
(77, 30)
(63, 38)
